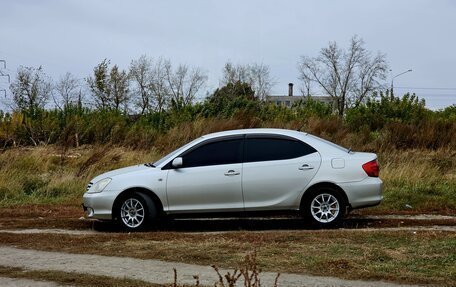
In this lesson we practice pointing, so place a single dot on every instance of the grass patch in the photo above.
(51, 175)
(424, 257)
(72, 279)
(418, 181)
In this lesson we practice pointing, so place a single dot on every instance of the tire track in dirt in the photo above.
(368, 229)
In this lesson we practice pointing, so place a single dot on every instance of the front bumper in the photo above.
(99, 205)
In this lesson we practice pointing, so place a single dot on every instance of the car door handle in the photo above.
(232, 172)
(305, 167)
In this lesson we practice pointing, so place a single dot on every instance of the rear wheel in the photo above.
(325, 207)
(135, 211)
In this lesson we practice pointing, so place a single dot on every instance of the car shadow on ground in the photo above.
(237, 224)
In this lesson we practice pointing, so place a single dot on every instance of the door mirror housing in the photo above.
(177, 162)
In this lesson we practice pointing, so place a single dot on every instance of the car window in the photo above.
(265, 149)
(174, 153)
(214, 153)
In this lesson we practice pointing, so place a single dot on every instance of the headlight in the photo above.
(100, 185)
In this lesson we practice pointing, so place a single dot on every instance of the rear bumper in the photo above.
(364, 193)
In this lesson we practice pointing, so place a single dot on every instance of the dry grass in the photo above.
(52, 175)
(423, 179)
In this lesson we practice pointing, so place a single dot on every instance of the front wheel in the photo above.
(325, 208)
(135, 211)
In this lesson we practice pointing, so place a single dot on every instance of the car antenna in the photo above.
(300, 128)
(349, 150)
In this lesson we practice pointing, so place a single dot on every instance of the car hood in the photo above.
(124, 170)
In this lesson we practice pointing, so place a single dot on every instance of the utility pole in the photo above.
(392, 81)
(2, 74)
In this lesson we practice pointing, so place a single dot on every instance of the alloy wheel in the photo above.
(325, 208)
(132, 213)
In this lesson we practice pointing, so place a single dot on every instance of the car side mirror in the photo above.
(177, 162)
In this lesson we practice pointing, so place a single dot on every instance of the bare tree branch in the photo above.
(347, 76)
(183, 83)
(140, 74)
(66, 91)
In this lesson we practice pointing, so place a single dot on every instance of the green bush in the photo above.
(375, 114)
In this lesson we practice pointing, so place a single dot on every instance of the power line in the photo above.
(427, 88)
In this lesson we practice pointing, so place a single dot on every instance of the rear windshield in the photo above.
(330, 143)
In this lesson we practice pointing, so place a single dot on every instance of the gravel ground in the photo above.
(154, 271)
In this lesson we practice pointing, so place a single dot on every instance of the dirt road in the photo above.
(154, 271)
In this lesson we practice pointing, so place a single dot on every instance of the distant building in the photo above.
(288, 101)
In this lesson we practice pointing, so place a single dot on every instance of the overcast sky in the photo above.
(75, 35)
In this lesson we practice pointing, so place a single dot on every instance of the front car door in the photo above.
(209, 179)
(276, 170)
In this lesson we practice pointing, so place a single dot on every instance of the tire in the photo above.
(135, 211)
(324, 208)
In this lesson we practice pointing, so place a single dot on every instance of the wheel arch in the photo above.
(149, 193)
(322, 185)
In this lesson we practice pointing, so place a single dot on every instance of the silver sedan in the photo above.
(240, 172)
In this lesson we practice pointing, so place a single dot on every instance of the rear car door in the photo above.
(210, 178)
(276, 170)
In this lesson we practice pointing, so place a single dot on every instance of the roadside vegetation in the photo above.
(58, 135)
(416, 146)
(416, 181)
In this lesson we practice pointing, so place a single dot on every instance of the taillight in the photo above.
(371, 168)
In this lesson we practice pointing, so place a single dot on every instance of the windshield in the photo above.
(174, 153)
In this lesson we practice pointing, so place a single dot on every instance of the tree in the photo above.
(141, 75)
(109, 88)
(99, 85)
(183, 83)
(229, 98)
(31, 89)
(231, 91)
(67, 91)
(151, 91)
(159, 86)
(119, 85)
(257, 76)
(348, 76)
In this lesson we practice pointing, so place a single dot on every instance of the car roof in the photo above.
(291, 133)
(306, 137)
